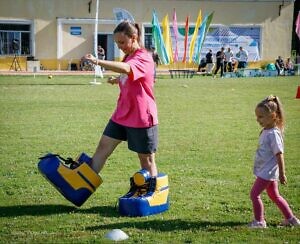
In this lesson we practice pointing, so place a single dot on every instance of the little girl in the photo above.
(269, 163)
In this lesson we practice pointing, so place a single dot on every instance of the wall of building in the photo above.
(276, 23)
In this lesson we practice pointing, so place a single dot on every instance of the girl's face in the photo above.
(265, 118)
(124, 42)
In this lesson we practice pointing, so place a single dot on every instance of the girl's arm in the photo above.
(119, 67)
(281, 165)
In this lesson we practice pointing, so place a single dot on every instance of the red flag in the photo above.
(298, 25)
(186, 38)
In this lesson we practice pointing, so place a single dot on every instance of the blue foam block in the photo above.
(148, 203)
(76, 185)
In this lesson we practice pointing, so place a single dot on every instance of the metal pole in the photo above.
(98, 70)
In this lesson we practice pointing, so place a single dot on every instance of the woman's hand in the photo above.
(113, 80)
(89, 57)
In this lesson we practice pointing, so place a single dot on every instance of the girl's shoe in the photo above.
(291, 222)
(257, 224)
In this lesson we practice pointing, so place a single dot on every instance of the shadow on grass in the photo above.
(50, 209)
(169, 225)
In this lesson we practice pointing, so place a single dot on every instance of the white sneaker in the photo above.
(257, 224)
(291, 222)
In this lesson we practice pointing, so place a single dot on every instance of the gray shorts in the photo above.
(140, 140)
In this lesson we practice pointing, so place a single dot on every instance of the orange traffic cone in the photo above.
(298, 93)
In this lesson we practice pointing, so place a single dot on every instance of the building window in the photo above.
(148, 40)
(15, 39)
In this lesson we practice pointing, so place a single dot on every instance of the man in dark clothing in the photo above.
(209, 59)
(279, 64)
(220, 56)
(201, 66)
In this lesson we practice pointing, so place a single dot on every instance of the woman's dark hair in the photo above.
(129, 29)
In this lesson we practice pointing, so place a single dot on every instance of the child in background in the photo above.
(269, 163)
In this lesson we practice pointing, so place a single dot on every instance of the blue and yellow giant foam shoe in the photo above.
(76, 182)
(147, 195)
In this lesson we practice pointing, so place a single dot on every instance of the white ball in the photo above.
(116, 235)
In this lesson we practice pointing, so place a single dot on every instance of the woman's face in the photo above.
(124, 42)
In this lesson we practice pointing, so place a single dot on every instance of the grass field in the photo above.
(207, 138)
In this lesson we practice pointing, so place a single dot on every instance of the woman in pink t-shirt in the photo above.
(135, 117)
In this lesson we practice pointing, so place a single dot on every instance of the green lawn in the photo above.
(207, 138)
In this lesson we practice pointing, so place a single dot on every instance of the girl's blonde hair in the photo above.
(272, 104)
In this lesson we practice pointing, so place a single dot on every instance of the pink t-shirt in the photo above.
(136, 104)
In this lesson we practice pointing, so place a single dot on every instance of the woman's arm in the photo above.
(119, 67)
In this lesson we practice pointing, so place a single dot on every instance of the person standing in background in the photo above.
(101, 54)
(228, 60)
(220, 56)
(242, 57)
(209, 57)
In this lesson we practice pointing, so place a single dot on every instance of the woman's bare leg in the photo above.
(148, 162)
(104, 149)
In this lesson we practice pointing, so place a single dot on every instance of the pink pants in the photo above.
(272, 189)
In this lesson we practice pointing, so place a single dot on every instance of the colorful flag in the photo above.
(195, 35)
(186, 38)
(201, 37)
(298, 25)
(158, 40)
(175, 30)
(200, 40)
(209, 19)
(167, 37)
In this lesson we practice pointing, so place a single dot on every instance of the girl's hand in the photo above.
(280, 162)
(283, 179)
(113, 80)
